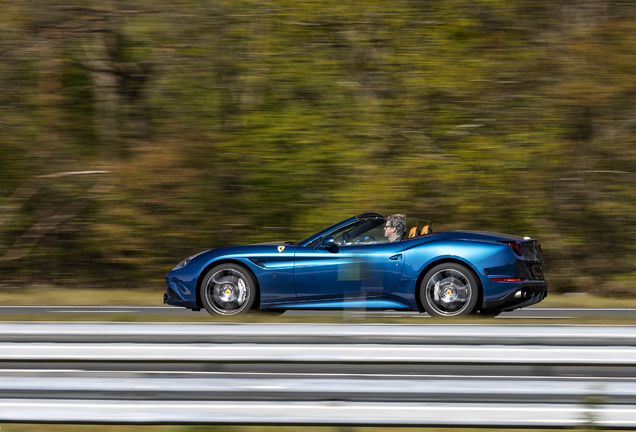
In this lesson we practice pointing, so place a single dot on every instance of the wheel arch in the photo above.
(426, 269)
(257, 300)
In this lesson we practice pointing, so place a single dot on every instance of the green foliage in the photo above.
(231, 122)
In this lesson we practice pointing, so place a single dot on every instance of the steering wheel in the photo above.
(365, 239)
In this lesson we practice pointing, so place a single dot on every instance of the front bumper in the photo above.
(179, 293)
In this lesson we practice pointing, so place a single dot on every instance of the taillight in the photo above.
(516, 246)
(507, 279)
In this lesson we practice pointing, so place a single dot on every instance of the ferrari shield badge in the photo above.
(281, 248)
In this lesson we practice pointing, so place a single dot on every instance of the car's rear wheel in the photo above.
(228, 289)
(449, 290)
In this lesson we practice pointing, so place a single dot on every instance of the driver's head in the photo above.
(396, 224)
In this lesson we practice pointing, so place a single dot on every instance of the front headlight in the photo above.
(186, 261)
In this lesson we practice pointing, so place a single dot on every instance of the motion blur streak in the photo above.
(509, 376)
(137, 133)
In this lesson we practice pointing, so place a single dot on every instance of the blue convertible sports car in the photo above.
(353, 264)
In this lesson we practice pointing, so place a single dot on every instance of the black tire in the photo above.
(449, 290)
(228, 289)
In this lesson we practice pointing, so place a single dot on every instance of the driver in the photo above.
(395, 227)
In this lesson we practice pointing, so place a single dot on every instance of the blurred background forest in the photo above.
(135, 133)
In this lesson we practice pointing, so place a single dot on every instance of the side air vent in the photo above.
(258, 263)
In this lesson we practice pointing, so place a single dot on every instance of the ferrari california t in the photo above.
(355, 264)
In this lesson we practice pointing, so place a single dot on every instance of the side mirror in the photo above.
(327, 242)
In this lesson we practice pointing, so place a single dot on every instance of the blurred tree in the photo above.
(231, 122)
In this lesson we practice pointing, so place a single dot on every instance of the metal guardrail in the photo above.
(325, 353)
(314, 374)
(319, 413)
(349, 389)
(394, 334)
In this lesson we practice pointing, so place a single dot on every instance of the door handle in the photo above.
(396, 257)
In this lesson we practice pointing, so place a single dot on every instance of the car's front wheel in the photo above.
(449, 290)
(228, 289)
